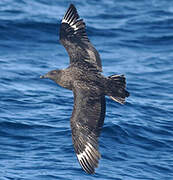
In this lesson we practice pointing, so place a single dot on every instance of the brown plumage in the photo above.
(89, 86)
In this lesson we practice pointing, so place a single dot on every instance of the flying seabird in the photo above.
(83, 76)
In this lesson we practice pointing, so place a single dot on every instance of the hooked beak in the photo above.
(44, 76)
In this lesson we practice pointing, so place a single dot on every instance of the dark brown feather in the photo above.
(75, 40)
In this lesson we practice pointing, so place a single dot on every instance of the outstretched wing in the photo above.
(74, 38)
(86, 122)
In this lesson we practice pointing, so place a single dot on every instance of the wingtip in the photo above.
(72, 6)
(70, 14)
(89, 159)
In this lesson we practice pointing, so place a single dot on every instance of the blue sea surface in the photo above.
(134, 38)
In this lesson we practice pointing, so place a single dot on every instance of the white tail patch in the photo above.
(118, 99)
(116, 75)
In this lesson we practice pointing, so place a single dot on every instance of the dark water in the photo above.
(134, 38)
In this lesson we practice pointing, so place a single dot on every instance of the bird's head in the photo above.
(53, 75)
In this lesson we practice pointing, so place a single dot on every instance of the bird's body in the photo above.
(89, 86)
(78, 72)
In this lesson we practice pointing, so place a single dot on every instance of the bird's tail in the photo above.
(115, 88)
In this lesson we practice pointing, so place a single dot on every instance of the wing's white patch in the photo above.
(94, 150)
(85, 159)
(64, 21)
(71, 24)
(86, 151)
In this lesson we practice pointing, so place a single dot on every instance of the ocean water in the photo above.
(134, 38)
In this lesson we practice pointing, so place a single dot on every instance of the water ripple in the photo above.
(134, 38)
